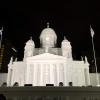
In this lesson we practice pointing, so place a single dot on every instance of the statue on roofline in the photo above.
(66, 48)
(29, 48)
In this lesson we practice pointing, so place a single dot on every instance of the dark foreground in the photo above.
(50, 93)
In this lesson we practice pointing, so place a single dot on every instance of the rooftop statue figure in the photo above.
(66, 48)
(29, 48)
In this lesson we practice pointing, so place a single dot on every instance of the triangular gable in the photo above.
(46, 56)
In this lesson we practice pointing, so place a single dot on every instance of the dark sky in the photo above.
(71, 18)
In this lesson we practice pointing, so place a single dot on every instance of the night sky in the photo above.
(71, 19)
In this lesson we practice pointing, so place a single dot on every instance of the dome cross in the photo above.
(48, 24)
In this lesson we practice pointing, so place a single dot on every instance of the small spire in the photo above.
(16, 59)
(48, 24)
(1, 31)
(65, 38)
(86, 59)
(11, 60)
(92, 31)
(82, 58)
(31, 38)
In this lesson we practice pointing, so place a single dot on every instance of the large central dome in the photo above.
(48, 31)
(48, 37)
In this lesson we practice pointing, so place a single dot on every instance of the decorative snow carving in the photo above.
(29, 48)
(66, 48)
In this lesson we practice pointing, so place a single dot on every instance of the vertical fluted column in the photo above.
(65, 76)
(58, 79)
(41, 74)
(27, 74)
(87, 75)
(52, 74)
(35, 72)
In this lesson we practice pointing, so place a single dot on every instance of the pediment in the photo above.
(46, 56)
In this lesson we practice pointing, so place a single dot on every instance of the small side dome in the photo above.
(66, 48)
(65, 42)
(30, 42)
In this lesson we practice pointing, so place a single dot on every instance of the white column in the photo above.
(52, 74)
(13, 76)
(80, 77)
(46, 74)
(38, 70)
(35, 72)
(65, 76)
(9, 76)
(27, 73)
(76, 74)
(61, 72)
(87, 75)
(70, 70)
(83, 76)
(55, 74)
(58, 78)
(41, 74)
